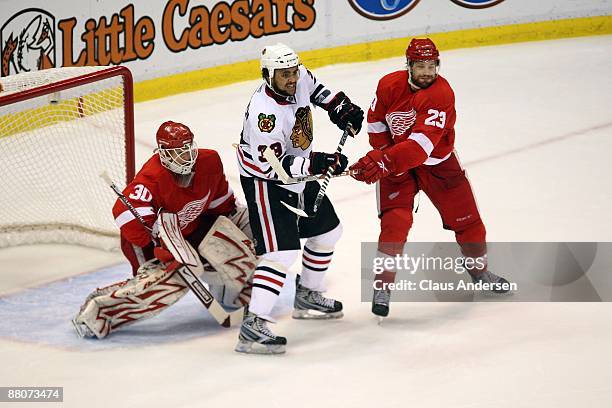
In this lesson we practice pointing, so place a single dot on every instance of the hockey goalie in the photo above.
(182, 207)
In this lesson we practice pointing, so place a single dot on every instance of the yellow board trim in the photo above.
(243, 71)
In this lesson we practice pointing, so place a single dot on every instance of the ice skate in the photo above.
(490, 277)
(311, 304)
(380, 303)
(256, 338)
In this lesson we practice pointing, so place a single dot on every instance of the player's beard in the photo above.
(281, 92)
(183, 180)
(422, 84)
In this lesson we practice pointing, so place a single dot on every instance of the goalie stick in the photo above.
(224, 318)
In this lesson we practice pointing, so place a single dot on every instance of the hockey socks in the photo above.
(314, 266)
(268, 280)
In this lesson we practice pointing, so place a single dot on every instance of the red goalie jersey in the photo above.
(413, 128)
(154, 187)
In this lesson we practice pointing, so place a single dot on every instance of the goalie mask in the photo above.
(177, 150)
(423, 60)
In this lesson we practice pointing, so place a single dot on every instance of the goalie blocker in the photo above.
(228, 268)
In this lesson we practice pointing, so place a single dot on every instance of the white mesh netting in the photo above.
(52, 149)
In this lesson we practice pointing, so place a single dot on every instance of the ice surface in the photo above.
(534, 132)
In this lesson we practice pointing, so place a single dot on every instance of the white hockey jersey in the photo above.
(283, 123)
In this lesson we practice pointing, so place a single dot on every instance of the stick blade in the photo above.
(104, 175)
(235, 318)
(297, 211)
(271, 158)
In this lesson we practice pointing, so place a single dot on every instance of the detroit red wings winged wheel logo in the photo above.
(400, 122)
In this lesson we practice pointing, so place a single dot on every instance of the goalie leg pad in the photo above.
(147, 294)
(172, 238)
(240, 218)
(232, 255)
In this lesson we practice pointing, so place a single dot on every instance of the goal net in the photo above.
(59, 129)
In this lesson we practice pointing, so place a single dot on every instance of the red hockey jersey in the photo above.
(154, 187)
(413, 128)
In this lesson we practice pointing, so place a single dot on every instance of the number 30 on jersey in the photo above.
(436, 118)
(141, 193)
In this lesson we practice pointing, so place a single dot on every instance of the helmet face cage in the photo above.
(176, 147)
(179, 160)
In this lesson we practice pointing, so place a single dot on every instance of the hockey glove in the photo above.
(163, 254)
(372, 167)
(342, 111)
(320, 162)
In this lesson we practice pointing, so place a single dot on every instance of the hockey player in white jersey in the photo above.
(279, 118)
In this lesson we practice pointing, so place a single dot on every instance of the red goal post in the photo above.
(59, 129)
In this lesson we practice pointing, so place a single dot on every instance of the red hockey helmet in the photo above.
(422, 49)
(172, 135)
(177, 150)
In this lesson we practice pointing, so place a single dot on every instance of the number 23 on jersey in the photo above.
(436, 118)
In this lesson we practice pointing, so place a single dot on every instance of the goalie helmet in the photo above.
(177, 150)
(277, 56)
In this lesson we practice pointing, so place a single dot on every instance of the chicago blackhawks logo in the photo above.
(266, 123)
(27, 42)
(301, 135)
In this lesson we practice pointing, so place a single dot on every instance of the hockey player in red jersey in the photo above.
(189, 182)
(411, 129)
(181, 179)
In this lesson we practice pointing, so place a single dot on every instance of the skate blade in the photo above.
(251, 347)
(380, 320)
(307, 314)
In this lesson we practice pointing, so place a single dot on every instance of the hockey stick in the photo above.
(285, 178)
(348, 130)
(186, 274)
(269, 155)
(278, 168)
